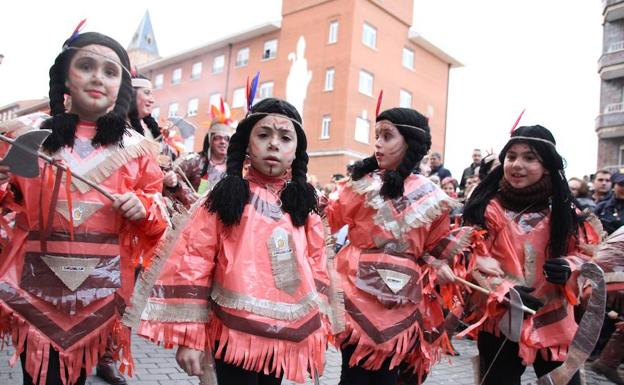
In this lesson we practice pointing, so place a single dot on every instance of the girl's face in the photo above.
(144, 101)
(272, 145)
(449, 189)
(390, 146)
(522, 166)
(93, 80)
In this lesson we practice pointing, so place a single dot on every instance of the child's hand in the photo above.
(4, 174)
(190, 360)
(130, 206)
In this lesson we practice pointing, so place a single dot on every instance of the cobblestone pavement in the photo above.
(157, 366)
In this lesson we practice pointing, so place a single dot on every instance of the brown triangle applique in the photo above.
(71, 271)
(81, 211)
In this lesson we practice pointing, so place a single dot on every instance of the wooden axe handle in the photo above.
(487, 292)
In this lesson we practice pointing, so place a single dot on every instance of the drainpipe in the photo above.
(227, 75)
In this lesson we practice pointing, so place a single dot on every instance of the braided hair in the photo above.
(111, 126)
(231, 194)
(135, 120)
(418, 143)
(564, 220)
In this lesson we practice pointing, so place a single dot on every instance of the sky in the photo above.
(516, 54)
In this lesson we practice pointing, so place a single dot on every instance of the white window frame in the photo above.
(362, 128)
(239, 61)
(620, 155)
(159, 80)
(332, 36)
(239, 98)
(369, 35)
(269, 52)
(176, 76)
(262, 90)
(192, 107)
(407, 58)
(403, 95)
(156, 113)
(173, 109)
(196, 70)
(215, 69)
(215, 100)
(330, 75)
(325, 126)
(362, 88)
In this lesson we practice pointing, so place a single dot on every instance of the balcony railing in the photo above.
(616, 46)
(614, 107)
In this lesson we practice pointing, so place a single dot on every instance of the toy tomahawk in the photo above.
(23, 154)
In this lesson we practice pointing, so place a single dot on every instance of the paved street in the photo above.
(157, 366)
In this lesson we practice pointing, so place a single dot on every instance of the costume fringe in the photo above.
(119, 157)
(268, 355)
(84, 354)
(170, 334)
(147, 278)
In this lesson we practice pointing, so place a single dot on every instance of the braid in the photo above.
(135, 122)
(299, 197)
(62, 124)
(152, 124)
(230, 195)
(363, 167)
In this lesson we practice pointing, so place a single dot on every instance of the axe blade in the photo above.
(22, 157)
(511, 323)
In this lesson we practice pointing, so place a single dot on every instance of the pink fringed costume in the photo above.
(256, 293)
(68, 271)
(519, 242)
(388, 270)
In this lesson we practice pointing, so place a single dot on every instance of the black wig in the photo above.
(230, 195)
(111, 126)
(135, 120)
(564, 220)
(418, 143)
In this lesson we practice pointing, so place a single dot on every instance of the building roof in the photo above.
(144, 39)
(425, 44)
(214, 45)
(25, 104)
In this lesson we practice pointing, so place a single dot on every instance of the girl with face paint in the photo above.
(392, 263)
(534, 242)
(255, 248)
(69, 270)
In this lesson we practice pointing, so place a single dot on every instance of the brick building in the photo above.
(610, 121)
(23, 107)
(330, 56)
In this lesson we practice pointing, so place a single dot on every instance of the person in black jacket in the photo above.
(611, 210)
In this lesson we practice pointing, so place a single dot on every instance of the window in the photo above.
(621, 155)
(156, 113)
(196, 70)
(215, 99)
(325, 127)
(369, 36)
(333, 32)
(158, 81)
(405, 99)
(329, 79)
(366, 83)
(270, 49)
(176, 76)
(266, 90)
(362, 128)
(173, 110)
(408, 58)
(239, 98)
(217, 64)
(193, 105)
(242, 57)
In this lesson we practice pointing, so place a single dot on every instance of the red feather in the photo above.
(222, 106)
(79, 26)
(516, 123)
(379, 103)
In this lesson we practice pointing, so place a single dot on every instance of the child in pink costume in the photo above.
(247, 278)
(68, 271)
(398, 222)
